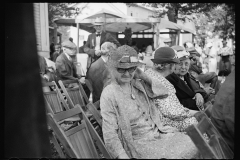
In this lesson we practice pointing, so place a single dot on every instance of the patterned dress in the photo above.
(171, 111)
(132, 126)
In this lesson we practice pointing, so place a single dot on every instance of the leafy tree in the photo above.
(174, 10)
(58, 10)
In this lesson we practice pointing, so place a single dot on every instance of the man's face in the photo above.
(57, 49)
(98, 28)
(70, 51)
(183, 67)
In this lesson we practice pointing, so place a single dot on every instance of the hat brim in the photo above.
(124, 65)
(97, 24)
(184, 58)
(161, 61)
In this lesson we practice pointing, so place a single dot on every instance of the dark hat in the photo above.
(69, 44)
(193, 51)
(165, 55)
(178, 48)
(195, 69)
(123, 57)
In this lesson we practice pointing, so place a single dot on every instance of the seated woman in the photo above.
(172, 112)
(189, 91)
(131, 122)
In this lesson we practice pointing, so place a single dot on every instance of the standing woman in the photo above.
(131, 126)
(225, 64)
(212, 55)
(172, 112)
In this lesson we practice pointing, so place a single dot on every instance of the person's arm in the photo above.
(110, 125)
(153, 87)
(60, 67)
(86, 48)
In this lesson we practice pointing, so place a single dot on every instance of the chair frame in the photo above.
(216, 148)
(63, 136)
(96, 115)
(59, 98)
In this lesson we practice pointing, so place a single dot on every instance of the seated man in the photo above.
(56, 53)
(65, 67)
(196, 66)
(188, 89)
(98, 73)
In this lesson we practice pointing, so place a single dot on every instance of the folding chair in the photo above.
(215, 147)
(78, 95)
(95, 113)
(77, 141)
(54, 99)
(206, 112)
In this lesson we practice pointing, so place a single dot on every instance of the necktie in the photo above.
(98, 34)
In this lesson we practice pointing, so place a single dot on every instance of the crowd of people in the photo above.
(147, 108)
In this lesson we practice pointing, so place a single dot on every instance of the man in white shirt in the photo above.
(95, 40)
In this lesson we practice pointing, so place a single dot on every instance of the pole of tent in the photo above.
(77, 37)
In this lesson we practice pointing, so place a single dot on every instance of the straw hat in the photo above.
(124, 57)
(98, 21)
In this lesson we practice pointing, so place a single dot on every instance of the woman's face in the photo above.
(183, 67)
(124, 75)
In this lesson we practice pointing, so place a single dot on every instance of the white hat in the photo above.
(182, 55)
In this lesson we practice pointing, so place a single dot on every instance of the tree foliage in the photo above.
(58, 10)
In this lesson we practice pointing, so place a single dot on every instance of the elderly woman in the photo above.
(131, 122)
(189, 91)
(172, 112)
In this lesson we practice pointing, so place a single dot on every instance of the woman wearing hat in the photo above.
(188, 90)
(172, 112)
(131, 122)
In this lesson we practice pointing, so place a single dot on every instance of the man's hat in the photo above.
(70, 45)
(193, 51)
(98, 21)
(178, 48)
(165, 55)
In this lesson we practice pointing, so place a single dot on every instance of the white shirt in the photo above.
(69, 58)
(97, 46)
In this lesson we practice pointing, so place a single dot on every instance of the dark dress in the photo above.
(186, 90)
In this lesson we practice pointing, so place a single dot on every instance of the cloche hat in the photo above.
(165, 55)
(123, 57)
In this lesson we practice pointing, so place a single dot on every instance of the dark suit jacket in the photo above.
(65, 69)
(185, 92)
(89, 47)
(98, 75)
(223, 110)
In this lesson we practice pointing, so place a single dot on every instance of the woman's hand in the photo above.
(192, 112)
(199, 99)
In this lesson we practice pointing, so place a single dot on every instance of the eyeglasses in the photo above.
(123, 70)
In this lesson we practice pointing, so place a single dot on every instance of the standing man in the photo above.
(98, 74)
(95, 40)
